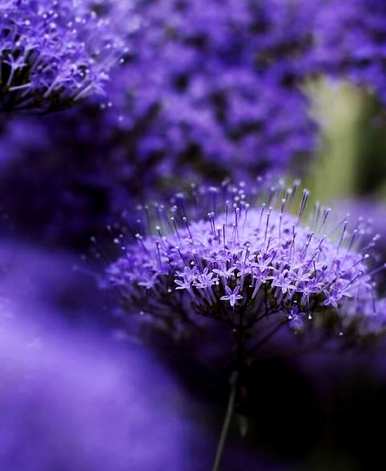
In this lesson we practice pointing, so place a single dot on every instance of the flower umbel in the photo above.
(247, 262)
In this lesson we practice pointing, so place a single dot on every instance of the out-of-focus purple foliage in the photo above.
(42, 283)
(52, 54)
(350, 42)
(247, 265)
(77, 173)
(78, 169)
(66, 403)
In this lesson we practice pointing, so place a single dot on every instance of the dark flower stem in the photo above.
(227, 420)
(234, 384)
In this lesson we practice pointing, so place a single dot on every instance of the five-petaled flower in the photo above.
(232, 295)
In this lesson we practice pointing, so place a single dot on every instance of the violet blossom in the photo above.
(52, 54)
(247, 264)
(208, 84)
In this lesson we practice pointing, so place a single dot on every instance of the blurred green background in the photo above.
(351, 160)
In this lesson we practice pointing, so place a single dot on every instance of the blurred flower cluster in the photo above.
(219, 83)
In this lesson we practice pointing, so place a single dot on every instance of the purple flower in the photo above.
(231, 296)
(274, 264)
(296, 319)
(52, 54)
(208, 85)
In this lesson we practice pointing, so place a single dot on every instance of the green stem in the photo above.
(227, 421)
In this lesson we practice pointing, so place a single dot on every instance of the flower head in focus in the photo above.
(52, 54)
(247, 264)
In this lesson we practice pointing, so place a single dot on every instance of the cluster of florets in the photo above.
(52, 54)
(209, 83)
(245, 263)
(350, 42)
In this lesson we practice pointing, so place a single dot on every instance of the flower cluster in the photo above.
(244, 263)
(52, 54)
(350, 42)
(208, 84)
